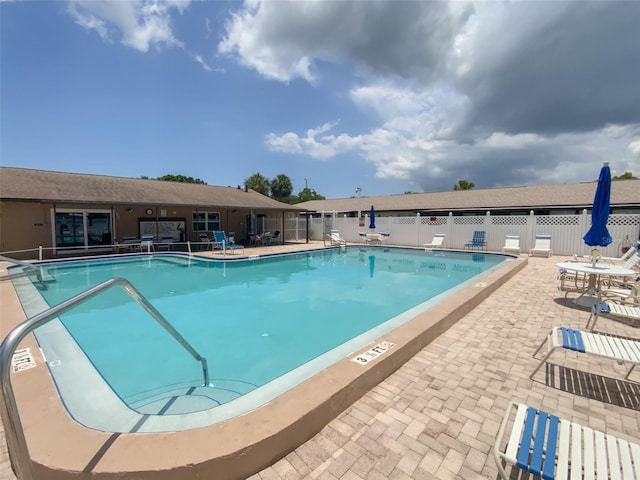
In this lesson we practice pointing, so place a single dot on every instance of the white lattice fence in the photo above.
(566, 230)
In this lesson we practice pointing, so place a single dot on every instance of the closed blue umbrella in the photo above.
(598, 235)
(372, 218)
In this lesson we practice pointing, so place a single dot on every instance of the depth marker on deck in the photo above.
(22, 360)
(374, 352)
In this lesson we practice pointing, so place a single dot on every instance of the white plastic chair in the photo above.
(512, 244)
(542, 245)
(336, 239)
(438, 241)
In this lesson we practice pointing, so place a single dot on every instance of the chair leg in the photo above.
(596, 309)
(544, 359)
(626, 377)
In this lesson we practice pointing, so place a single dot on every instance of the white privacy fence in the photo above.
(566, 230)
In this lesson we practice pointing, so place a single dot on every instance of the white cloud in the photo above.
(136, 24)
(419, 143)
(634, 147)
(498, 92)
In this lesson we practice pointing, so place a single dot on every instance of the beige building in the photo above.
(71, 213)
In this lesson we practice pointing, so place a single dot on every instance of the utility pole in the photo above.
(359, 191)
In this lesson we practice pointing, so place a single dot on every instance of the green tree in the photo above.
(259, 183)
(625, 176)
(281, 188)
(305, 195)
(177, 178)
(464, 185)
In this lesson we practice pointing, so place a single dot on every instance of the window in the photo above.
(206, 221)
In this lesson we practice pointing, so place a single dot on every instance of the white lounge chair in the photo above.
(612, 347)
(336, 239)
(550, 447)
(511, 244)
(633, 261)
(609, 307)
(542, 246)
(615, 260)
(438, 241)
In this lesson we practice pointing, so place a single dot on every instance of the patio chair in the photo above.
(478, 240)
(572, 282)
(274, 236)
(129, 244)
(624, 292)
(609, 307)
(542, 246)
(438, 241)
(146, 243)
(511, 244)
(221, 242)
(205, 242)
(620, 349)
(166, 242)
(550, 447)
(336, 239)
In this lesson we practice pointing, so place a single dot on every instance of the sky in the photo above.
(389, 96)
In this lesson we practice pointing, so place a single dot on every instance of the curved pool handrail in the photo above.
(16, 441)
(25, 265)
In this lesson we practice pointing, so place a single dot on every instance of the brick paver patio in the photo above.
(438, 415)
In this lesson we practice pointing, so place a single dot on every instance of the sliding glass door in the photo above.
(82, 228)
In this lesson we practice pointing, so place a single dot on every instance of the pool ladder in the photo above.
(25, 266)
(16, 441)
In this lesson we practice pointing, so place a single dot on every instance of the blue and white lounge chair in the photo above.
(220, 241)
(609, 307)
(437, 242)
(553, 448)
(542, 245)
(620, 349)
(478, 240)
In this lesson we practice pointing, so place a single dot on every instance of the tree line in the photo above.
(280, 188)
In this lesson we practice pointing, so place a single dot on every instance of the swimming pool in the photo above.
(297, 315)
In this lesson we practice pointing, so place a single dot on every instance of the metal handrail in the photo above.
(16, 442)
(25, 265)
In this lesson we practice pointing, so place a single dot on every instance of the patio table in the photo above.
(596, 274)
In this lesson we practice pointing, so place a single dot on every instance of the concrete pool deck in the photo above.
(438, 414)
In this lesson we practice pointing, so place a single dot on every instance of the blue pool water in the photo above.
(254, 320)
